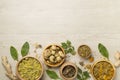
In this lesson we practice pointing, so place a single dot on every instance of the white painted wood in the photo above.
(111, 41)
(53, 21)
(54, 16)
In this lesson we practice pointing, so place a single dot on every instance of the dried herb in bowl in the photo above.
(68, 71)
(54, 55)
(84, 51)
(29, 68)
(103, 70)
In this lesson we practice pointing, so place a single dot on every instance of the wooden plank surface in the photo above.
(81, 21)
(111, 41)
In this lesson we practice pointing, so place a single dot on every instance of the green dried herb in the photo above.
(79, 70)
(82, 75)
(86, 75)
(52, 75)
(14, 53)
(25, 49)
(103, 50)
(68, 47)
(79, 77)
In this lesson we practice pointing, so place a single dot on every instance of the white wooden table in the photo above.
(111, 42)
(81, 21)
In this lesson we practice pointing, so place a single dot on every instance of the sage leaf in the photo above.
(25, 49)
(52, 74)
(103, 50)
(14, 53)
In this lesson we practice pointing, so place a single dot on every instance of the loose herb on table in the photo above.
(68, 47)
(103, 50)
(53, 75)
(82, 75)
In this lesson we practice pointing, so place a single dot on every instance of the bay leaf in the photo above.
(14, 53)
(25, 49)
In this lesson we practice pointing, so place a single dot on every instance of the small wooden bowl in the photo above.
(81, 53)
(17, 73)
(68, 64)
(57, 64)
(93, 66)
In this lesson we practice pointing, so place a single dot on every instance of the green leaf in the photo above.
(103, 50)
(68, 47)
(25, 49)
(68, 43)
(70, 50)
(73, 52)
(66, 51)
(52, 74)
(86, 74)
(14, 53)
(64, 45)
(79, 77)
(79, 70)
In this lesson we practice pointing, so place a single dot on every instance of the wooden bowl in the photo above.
(17, 72)
(57, 64)
(68, 64)
(100, 62)
(87, 56)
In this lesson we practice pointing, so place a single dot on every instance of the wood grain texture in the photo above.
(53, 21)
(111, 41)
(54, 16)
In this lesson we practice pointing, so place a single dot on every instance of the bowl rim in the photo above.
(104, 60)
(87, 55)
(66, 64)
(58, 64)
(17, 73)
